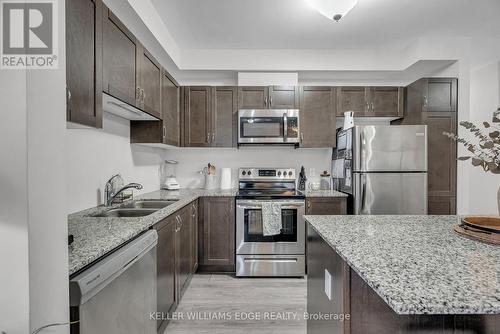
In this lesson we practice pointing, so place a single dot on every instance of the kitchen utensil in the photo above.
(168, 172)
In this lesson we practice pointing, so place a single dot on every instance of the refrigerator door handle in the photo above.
(363, 194)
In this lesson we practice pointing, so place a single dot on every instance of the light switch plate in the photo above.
(328, 284)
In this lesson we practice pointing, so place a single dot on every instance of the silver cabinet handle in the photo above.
(368, 105)
(143, 94)
(301, 137)
(164, 132)
(213, 137)
(425, 101)
(208, 137)
(138, 93)
(285, 126)
(270, 101)
(177, 226)
(373, 106)
(68, 93)
(265, 101)
(363, 194)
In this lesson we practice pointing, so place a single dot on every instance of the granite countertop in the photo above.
(96, 236)
(323, 193)
(417, 264)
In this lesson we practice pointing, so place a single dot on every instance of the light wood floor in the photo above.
(238, 297)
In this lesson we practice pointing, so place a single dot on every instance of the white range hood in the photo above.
(119, 108)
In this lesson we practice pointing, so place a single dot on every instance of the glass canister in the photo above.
(325, 181)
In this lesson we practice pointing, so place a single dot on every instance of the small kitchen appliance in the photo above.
(257, 254)
(168, 175)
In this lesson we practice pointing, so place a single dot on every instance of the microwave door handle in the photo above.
(285, 126)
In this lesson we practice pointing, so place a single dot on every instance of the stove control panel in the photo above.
(266, 173)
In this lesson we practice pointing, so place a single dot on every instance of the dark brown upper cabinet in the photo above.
(253, 97)
(263, 97)
(385, 101)
(283, 97)
(439, 94)
(371, 101)
(130, 72)
(209, 116)
(224, 115)
(317, 116)
(197, 116)
(352, 99)
(149, 78)
(167, 131)
(216, 232)
(84, 65)
(119, 53)
(170, 105)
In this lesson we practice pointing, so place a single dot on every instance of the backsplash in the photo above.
(192, 160)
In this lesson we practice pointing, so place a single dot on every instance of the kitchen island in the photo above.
(399, 274)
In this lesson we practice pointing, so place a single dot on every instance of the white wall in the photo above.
(485, 98)
(14, 257)
(48, 232)
(192, 160)
(94, 155)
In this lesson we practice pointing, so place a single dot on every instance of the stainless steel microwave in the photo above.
(268, 126)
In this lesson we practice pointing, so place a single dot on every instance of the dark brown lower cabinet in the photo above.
(368, 312)
(217, 234)
(166, 267)
(326, 205)
(176, 258)
(441, 205)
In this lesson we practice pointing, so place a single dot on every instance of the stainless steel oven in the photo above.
(268, 126)
(282, 254)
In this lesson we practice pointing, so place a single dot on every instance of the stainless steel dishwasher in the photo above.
(118, 293)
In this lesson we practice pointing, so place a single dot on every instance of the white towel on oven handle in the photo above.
(271, 218)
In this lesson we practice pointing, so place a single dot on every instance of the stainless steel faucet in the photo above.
(109, 190)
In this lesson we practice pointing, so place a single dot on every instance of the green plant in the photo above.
(483, 143)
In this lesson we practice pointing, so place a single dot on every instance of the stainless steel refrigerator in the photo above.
(383, 168)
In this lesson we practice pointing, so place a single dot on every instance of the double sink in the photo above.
(139, 208)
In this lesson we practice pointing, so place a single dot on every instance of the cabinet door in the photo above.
(317, 117)
(197, 116)
(217, 229)
(119, 56)
(442, 153)
(84, 64)
(170, 109)
(149, 79)
(283, 97)
(441, 205)
(326, 206)
(440, 94)
(223, 116)
(352, 99)
(165, 268)
(194, 236)
(386, 101)
(184, 248)
(253, 97)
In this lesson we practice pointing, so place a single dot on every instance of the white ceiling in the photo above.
(292, 24)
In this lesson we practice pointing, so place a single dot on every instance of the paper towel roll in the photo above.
(225, 178)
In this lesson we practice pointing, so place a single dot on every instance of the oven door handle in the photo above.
(254, 205)
(263, 259)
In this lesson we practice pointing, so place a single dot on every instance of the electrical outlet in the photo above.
(328, 284)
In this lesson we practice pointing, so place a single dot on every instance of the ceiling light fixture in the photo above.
(333, 9)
